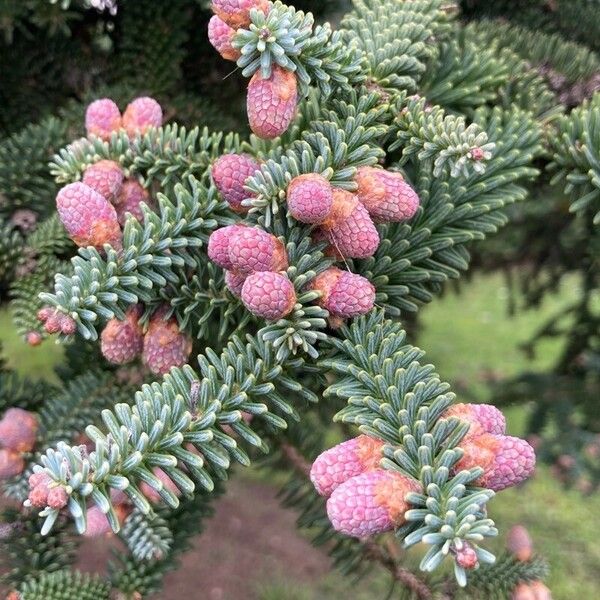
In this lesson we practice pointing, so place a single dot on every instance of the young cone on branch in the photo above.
(310, 198)
(141, 114)
(123, 341)
(130, 201)
(106, 177)
(230, 173)
(268, 295)
(18, 430)
(236, 13)
(271, 102)
(102, 117)
(164, 345)
(252, 249)
(220, 35)
(370, 503)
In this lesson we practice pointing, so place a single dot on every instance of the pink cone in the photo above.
(385, 195)
(350, 228)
(18, 430)
(482, 418)
(218, 245)
(106, 177)
(236, 13)
(370, 503)
(338, 464)
(310, 198)
(123, 341)
(220, 36)
(506, 461)
(102, 117)
(89, 218)
(165, 346)
(268, 295)
(235, 282)
(344, 294)
(230, 173)
(141, 114)
(11, 463)
(271, 102)
(252, 249)
(130, 201)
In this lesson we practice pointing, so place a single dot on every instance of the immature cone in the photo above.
(89, 218)
(310, 198)
(506, 460)
(252, 249)
(385, 195)
(271, 102)
(130, 201)
(482, 418)
(236, 13)
(370, 503)
(466, 557)
(38, 489)
(141, 114)
(122, 341)
(165, 346)
(220, 36)
(34, 338)
(218, 245)
(269, 295)
(55, 321)
(11, 463)
(235, 282)
(18, 430)
(230, 173)
(519, 544)
(350, 228)
(106, 177)
(102, 117)
(152, 495)
(338, 464)
(57, 498)
(344, 294)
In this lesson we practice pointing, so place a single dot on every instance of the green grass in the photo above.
(38, 362)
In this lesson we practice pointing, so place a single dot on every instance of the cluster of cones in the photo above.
(18, 431)
(94, 210)
(365, 500)
(255, 261)
(271, 101)
(161, 346)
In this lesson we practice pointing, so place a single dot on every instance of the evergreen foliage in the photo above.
(454, 107)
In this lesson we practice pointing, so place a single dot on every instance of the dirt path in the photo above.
(249, 541)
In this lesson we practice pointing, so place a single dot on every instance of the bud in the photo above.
(236, 13)
(482, 418)
(310, 198)
(252, 249)
(165, 346)
(230, 173)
